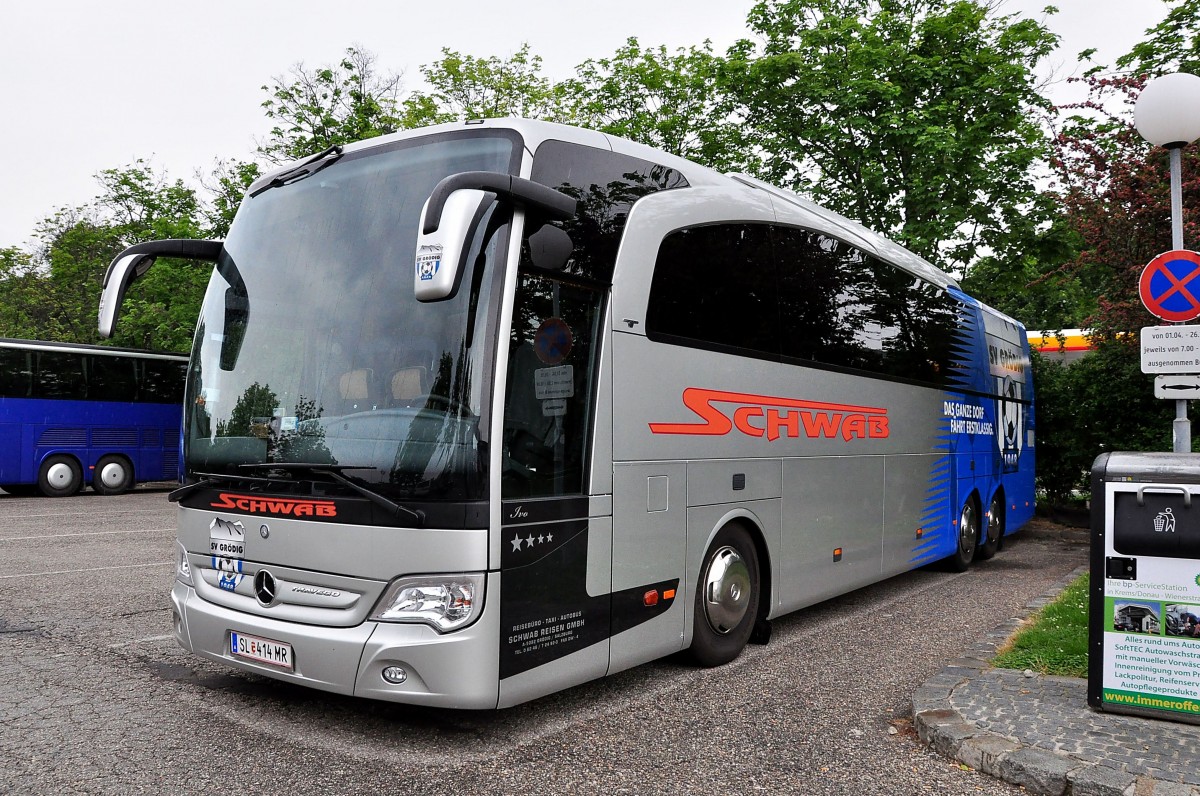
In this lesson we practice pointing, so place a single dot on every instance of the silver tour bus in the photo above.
(478, 412)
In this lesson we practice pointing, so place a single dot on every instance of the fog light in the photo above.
(395, 675)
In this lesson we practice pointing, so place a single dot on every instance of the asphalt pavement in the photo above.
(97, 698)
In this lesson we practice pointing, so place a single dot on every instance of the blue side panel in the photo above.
(986, 434)
(935, 517)
(145, 433)
(10, 443)
(968, 374)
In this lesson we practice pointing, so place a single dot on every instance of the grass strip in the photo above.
(1055, 639)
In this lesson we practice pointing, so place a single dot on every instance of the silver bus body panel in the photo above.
(649, 543)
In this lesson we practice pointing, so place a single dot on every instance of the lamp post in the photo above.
(1167, 114)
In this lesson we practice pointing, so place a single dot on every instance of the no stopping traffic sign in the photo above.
(1170, 285)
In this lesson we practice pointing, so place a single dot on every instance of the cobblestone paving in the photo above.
(1038, 732)
(1052, 713)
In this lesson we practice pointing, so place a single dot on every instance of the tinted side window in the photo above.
(715, 286)
(16, 373)
(828, 299)
(606, 185)
(59, 376)
(843, 307)
(111, 378)
(551, 380)
(162, 381)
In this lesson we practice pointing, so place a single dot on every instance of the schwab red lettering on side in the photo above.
(766, 416)
(287, 508)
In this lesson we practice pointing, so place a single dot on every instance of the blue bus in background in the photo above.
(72, 415)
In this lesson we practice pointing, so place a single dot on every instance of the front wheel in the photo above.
(968, 537)
(727, 597)
(60, 476)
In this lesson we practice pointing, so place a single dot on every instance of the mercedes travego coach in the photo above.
(481, 411)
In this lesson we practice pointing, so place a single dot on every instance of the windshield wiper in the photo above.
(212, 479)
(334, 471)
(298, 172)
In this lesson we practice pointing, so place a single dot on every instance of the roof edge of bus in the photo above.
(89, 348)
(534, 131)
(884, 246)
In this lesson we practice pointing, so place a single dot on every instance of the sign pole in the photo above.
(1181, 429)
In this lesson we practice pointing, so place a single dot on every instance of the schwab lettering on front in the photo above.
(483, 411)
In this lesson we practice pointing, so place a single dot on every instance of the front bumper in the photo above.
(455, 670)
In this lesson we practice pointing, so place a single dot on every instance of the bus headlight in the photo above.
(444, 602)
(183, 570)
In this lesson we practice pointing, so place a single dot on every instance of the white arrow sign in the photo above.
(1177, 386)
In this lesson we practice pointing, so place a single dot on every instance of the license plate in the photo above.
(262, 650)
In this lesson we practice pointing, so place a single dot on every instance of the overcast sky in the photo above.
(88, 86)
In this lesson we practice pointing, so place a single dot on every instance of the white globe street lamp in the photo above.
(1168, 114)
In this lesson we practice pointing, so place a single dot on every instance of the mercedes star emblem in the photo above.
(265, 587)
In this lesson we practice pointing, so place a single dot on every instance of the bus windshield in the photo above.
(311, 348)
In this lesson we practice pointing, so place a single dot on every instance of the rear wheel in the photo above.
(727, 597)
(112, 476)
(60, 476)
(968, 536)
(995, 528)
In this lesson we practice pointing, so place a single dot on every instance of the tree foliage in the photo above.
(1114, 191)
(53, 293)
(915, 117)
(314, 109)
(1172, 45)
(469, 87)
(672, 101)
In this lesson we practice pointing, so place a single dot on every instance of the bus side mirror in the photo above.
(121, 271)
(136, 261)
(452, 213)
(441, 252)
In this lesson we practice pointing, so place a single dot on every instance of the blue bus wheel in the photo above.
(968, 536)
(994, 528)
(112, 476)
(60, 476)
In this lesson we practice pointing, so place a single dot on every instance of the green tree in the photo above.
(1113, 189)
(315, 109)
(1172, 45)
(23, 308)
(54, 292)
(467, 87)
(671, 101)
(917, 118)
(225, 185)
(1030, 278)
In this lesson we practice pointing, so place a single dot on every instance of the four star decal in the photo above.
(530, 541)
